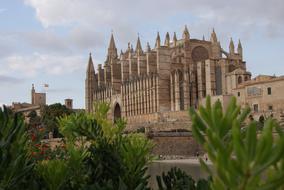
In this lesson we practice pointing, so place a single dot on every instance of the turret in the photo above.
(213, 37)
(148, 47)
(167, 40)
(90, 85)
(240, 49)
(232, 47)
(216, 47)
(132, 50)
(90, 69)
(129, 50)
(112, 51)
(138, 48)
(185, 35)
(158, 41)
(175, 39)
(32, 94)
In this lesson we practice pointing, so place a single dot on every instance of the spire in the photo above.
(240, 48)
(231, 47)
(138, 45)
(128, 46)
(240, 45)
(185, 35)
(158, 41)
(90, 85)
(175, 39)
(90, 69)
(213, 38)
(111, 43)
(112, 51)
(203, 38)
(167, 40)
(148, 47)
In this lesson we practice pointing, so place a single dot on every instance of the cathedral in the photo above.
(146, 85)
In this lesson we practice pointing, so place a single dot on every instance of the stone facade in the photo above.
(263, 94)
(141, 85)
(38, 99)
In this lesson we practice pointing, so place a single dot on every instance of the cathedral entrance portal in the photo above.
(116, 113)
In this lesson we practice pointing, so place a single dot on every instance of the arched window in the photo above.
(116, 113)
(240, 80)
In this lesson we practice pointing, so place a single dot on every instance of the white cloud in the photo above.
(126, 14)
(37, 64)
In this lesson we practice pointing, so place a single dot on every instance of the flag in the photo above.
(46, 85)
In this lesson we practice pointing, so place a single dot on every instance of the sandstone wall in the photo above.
(175, 144)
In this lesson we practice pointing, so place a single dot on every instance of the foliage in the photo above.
(135, 156)
(176, 179)
(54, 173)
(242, 158)
(34, 119)
(63, 173)
(50, 115)
(15, 164)
(114, 160)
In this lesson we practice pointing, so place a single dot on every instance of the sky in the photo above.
(49, 41)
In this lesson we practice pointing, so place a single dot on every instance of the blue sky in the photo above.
(48, 41)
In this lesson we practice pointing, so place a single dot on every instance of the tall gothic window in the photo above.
(181, 90)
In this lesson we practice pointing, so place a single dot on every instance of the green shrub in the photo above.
(64, 173)
(242, 158)
(15, 164)
(176, 179)
(114, 160)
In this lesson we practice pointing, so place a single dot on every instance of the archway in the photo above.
(116, 113)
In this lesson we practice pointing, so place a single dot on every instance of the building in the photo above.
(263, 94)
(69, 103)
(37, 98)
(160, 84)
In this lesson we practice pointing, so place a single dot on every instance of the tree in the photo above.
(34, 119)
(50, 115)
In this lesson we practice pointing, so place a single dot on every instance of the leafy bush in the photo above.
(114, 160)
(15, 164)
(241, 157)
(176, 179)
(65, 173)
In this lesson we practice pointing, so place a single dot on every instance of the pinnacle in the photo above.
(138, 45)
(90, 68)
(185, 33)
(213, 36)
(112, 43)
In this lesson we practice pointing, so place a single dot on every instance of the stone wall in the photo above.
(165, 121)
(175, 144)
